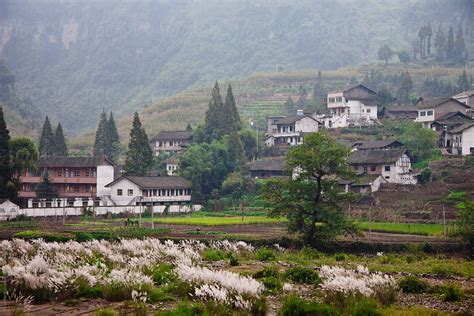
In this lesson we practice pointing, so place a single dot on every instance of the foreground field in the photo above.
(225, 278)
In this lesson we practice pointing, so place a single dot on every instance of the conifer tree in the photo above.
(450, 50)
(5, 168)
(100, 143)
(60, 147)
(213, 128)
(139, 155)
(45, 190)
(460, 47)
(406, 86)
(440, 45)
(236, 151)
(428, 33)
(464, 83)
(189, 128)
(112, 144)
(231, 118)
(289, 106)
(46, 142)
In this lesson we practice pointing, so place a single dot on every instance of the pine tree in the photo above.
(231, 118)
(464, 83)
(100, 144)
(45, 190)
(450, 49)
(139, 155)
(428, 33)
(46, 142)
(213, 128)
(440, 45)
(301, 103)
(5, 168)
(60, 147)
(112, 143)
(406, 86)
(189, 128)
(236, 151)
(289, 105)
(460, 47)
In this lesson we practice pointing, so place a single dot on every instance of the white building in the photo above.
(132, 190)
(291, 130)
(466, 97)
(8, 209)
(460, 140)
(171, 165)
(355, 106)
(432, 110)
(171, 141)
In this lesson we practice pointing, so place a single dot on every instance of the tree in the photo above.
(112, 143)
(213, 126)
(100, 143)
(464, 83)
(234, 185)
(460, 47)
(384, 96)
(249, 142)
(404, 57)
(319, 94)
(139, 155)
(46, 142)
(419, 141)
(60, 147)
(189, 128)
(428, 34)
(289, 105)
(385, 53)
(422, 36)
(440, 45)
(311, 199)
(230, 117)
(450, 50)
(405, 88)
(7, 187)
(236, 152)
(23, 155)
(465, 224)
(301, 103)
(45, 190)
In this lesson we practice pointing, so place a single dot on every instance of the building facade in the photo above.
(291, 130)
(432, 110)
(171, 141)
(460, 140)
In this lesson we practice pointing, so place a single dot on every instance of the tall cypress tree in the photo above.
(464, 83)
(236, 151)
(6, 186)
(45, 189)
(460, 47)
(440, 45)
(100, 144)
(139, 155)
(112, 138)
(46, 142)
(450, 50)
(189, 128)
(213, 121)
(231, 118)
(60, 142)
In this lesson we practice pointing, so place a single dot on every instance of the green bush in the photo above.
(293, 305)
(362, 306)
(2, 290)
(85, 290)
(272, 284)
(213, 255)
(163, 273)
(106, 312)
(265, 254)
(160, 294)
(303, 275)
(443, 270)
(266, 272)
(452, 293)
(233, 260)
(340, 257)
(309, 253)
(412, 284)
(46, 236)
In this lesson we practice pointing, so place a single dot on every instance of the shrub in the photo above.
(452, 293)
(85, 290)
(213, 255)
(106, 312)
(2, 290)
(265, 254)
(184, 309)
(303, 275)
(272, 284)
(47, 236)
(293, 305)
(163, 273)
(233, 261)
(340, 257)
(266, 272)
(159, 295)
(309, 253)
(412, 284)
(425, 175)
(362, 306)
(426, 247)
(443, 270)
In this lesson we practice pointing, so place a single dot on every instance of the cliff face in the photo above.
(73, 58)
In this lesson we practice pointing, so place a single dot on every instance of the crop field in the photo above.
(219, 221)
(403, 228)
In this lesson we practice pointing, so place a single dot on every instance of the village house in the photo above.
(269, 167)
(393, 164)
(354, 106)
(363, 184)
(446, 123)
(460, 140)
(291, 130)
(171, 165)
(432, 110)
(398, 113)
(466, 97)
(271, 124)
(8, 210)
(171, 141)
(76, 181)
(132, 190)
(376, 145)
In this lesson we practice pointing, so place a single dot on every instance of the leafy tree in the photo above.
(440, 45)
(385, 53)
(249, 142)
(384, 96)
(236, 151)
(23, 154)
(60, 147)
(7, 188)
(464, 83)
(419, 141)
(450, 49)
(46, 142)
(234, 185)
(428, 34)
(460, 47)
(406, 86)
(213, 126)
(311, 199)
(404, 57)
(230, 117)
(319, 93)
(139, 155)
(45, 190)
(100, 143)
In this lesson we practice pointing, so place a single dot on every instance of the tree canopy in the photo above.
(7, 187)
(139, 155)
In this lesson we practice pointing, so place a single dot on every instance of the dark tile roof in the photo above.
(464, 93)
(173, 135)
(72, 162)
(156, 182)
(378, 144)
(292, 119)
(462, 127)
(268, 164)
(376, 156)
(434, 103)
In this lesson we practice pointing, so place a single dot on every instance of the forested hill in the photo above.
(74, 58)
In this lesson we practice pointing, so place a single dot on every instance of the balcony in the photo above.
(56, 179)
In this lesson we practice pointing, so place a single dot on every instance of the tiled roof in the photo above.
(268, 164)
(378, 144)
(434, 103)
(292, 119)
(376, 156)
(72, 162)
(156, 182)
(173, 135)
(464, 94)
(462, 127)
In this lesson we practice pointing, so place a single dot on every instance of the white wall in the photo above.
(306, 125)
(105, 175)
(467, 141)
(125, 185)
(8, 210)
(400, 172)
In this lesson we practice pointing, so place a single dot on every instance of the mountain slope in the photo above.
(73, 58)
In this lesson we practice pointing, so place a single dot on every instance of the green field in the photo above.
(403, 228)
(218, 221)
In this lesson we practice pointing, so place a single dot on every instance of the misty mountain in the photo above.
(74, 58)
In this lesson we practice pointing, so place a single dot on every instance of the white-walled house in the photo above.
(432, 110)
(171, 165)
(171, 141)
(8, 209)
(460, 140)
(132, 190)
(354, 106)
(291, 129)
(466, 97)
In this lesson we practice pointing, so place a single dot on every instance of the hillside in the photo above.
(73, 59)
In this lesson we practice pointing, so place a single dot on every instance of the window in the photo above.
(76, 188)
(387, 168)
(60, 172)
(88, 172)
(338, 99)
(77, 173)
(422, 113)
(332, 100)
(429, 113)
(119, 192)
(368, 110)
(372, 168)
(130, 192)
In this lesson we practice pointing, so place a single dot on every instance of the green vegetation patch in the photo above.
(404, 228)
(219, 221)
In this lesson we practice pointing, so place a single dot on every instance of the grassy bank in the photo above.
(219, 221)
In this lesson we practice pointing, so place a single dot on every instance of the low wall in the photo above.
(102, 210)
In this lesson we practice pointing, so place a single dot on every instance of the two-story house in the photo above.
(460, 140)
(132, 190)
(77, 181)
(171, 141)
(446, 123)
(432, 110)
(354, 106)
(291, 130)
(466, 97)
(268, 167)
